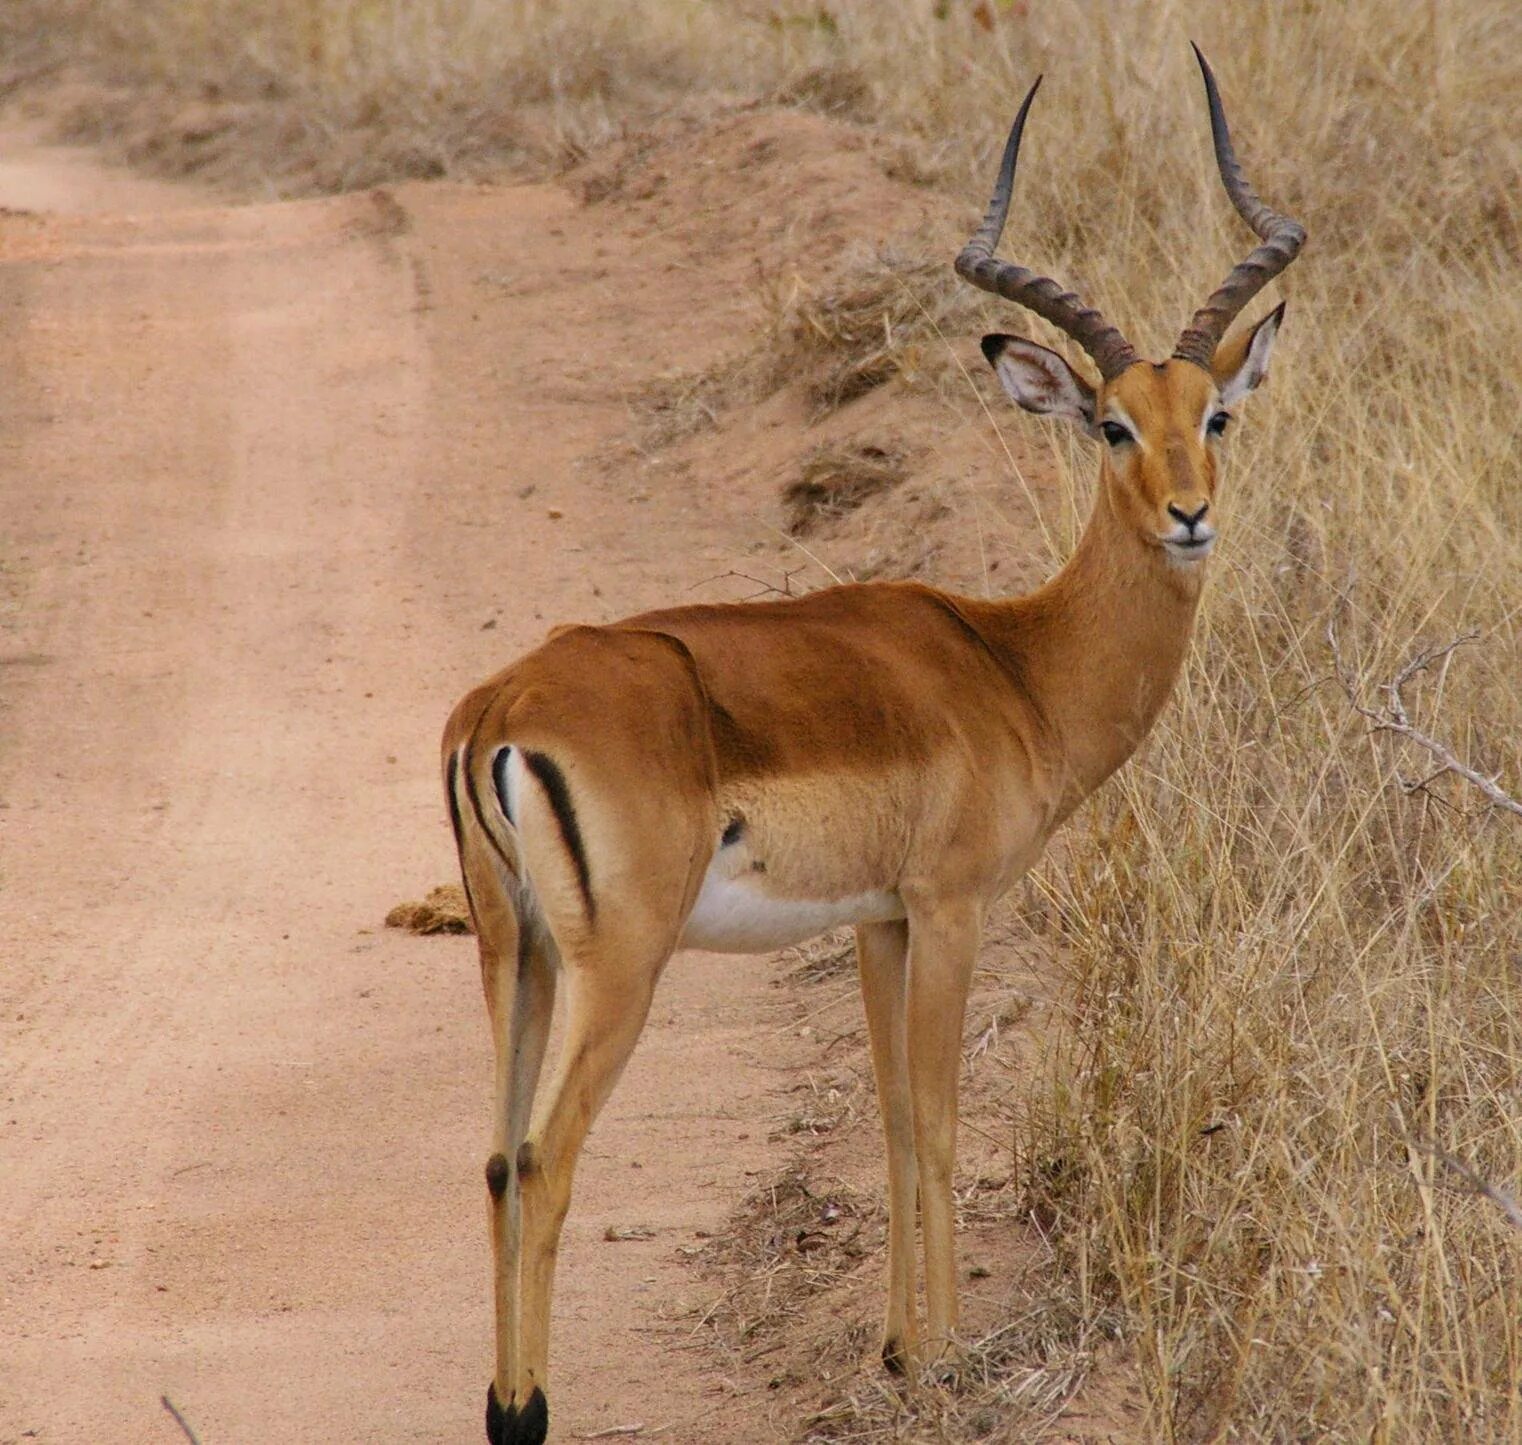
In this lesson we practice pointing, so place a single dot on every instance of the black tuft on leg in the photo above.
(496, 1421)
(534, 1422)
(895, 1357)
(496, 1175)
(512, 1426)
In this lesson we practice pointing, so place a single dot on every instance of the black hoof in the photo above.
(496, 1421)
(512, 1426)
(534, 1420)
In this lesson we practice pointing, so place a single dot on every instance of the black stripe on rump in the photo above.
(458, 824)
(475, 802)
(552, 780)
(454, 802)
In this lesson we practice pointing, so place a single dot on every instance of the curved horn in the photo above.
(1111, 351)
(1281, 237)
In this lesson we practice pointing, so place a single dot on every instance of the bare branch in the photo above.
(1420, 663)
(768, 589)
(1503, 1201)
(1393, 718)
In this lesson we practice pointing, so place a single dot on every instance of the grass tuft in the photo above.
(879, 317)
(836, 479)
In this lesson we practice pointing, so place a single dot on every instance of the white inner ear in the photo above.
(1254, 365)
(1042, 382)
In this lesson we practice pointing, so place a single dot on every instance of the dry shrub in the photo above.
(444, 910)
(836, 479)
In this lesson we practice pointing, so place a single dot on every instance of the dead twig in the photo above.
(618, 1233)
(1503, 1201)
(1393, 718)
(179, 1419)
(768, 589)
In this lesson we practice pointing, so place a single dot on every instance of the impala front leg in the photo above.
(882, 960)
(943, 943)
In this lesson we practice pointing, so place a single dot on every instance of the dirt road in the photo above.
(280, 481)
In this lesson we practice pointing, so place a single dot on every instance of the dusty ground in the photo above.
(281, 480)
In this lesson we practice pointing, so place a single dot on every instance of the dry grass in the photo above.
(1013, 1385)
(835, 479)
(1270, 1136)
(827, 959)
(673, 408)
(877, 317)
(1294, 978)
(332, 94)
(794, 1237)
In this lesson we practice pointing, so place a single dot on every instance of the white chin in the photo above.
(1182, 556)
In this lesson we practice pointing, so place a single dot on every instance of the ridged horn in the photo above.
(1111, 351)
(1281, 237)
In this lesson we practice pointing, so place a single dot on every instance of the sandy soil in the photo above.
(279, 482)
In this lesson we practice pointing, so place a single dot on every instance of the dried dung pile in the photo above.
(444, 910)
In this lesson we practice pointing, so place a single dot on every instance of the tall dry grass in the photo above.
(1295, 1032)
(1293, 1049)
(1295, 1039)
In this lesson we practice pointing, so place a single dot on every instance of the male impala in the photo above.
(740, 777)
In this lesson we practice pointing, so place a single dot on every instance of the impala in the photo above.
(741, 777)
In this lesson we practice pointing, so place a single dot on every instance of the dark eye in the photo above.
(1114, 433)
(1218, 423)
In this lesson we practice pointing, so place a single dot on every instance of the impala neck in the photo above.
(1101, 644)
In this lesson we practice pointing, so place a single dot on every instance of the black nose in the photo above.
(1180, 515)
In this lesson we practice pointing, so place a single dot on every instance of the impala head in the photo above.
(1160, 423)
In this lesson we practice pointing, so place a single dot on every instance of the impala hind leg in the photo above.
(518, 965)
(520, 997)
(943, 944)
(606, 1009)
(882, 961)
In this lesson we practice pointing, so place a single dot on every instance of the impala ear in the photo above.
(1241, 361)
(1039, 380)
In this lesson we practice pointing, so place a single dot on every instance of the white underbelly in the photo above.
(734, 915)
